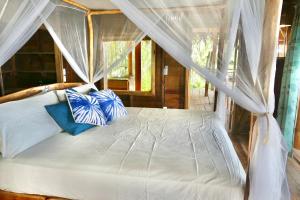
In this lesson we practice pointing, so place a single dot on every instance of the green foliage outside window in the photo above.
(201, 48)
(115, 50)
(146, 65)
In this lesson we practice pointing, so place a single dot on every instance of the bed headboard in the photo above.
(35, 90)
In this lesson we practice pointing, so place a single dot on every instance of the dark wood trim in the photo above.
(138, 65)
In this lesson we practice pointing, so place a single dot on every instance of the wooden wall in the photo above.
(33, 65)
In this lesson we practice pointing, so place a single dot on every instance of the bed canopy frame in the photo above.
(173, 25)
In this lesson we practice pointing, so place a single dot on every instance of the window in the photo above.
(114, 49)
(135, 73)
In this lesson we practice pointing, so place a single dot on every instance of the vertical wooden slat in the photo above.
(58, 64)
(138, 67)
(153, 64)
(130, 64)
(187, 89)
(1, 83)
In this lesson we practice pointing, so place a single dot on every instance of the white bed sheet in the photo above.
(153, 154)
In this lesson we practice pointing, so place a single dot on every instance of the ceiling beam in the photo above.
(78, 5)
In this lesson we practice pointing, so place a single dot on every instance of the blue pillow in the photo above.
(110, 103)
(85, 109)
(62, 115)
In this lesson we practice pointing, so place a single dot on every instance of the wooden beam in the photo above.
(5, 195)
(58, 64)
(78, 5)
(105, 12)
(138, 67)
(172, 9)
(297, 130)
(91, 47)
(36, 90)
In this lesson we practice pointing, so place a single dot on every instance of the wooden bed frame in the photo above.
(36, 90)
(6, 195)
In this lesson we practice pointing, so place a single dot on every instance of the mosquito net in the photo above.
(229, 26)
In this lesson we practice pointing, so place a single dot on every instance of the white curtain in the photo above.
(112, 33)
(68, 27)
(19, 20)
(174, 25)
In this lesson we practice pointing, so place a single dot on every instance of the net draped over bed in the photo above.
(176, 26)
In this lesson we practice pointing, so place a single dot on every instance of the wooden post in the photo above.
(187, 89)
(297, 130)
(268, 57)
(58, 64)
(130, 64)
(91, 49)
(220, 54)
(269, 44)
(208, 63)
(1, 83)
(138, 67)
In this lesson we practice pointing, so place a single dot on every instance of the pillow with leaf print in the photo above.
(110, 103)
(85, 109)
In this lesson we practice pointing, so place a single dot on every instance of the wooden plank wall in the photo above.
(33, 65)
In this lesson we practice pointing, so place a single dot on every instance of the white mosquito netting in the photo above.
(176, 26)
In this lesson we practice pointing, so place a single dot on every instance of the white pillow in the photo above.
(83, 89)
(25, 123)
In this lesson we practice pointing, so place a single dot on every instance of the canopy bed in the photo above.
(142, 156)
(145, 152)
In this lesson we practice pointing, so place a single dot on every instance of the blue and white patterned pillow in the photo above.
(85, 109)
(110, 103)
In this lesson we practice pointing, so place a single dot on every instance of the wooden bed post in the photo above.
(268, 58)
(91, 47)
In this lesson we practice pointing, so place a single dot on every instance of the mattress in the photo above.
(152, 154)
